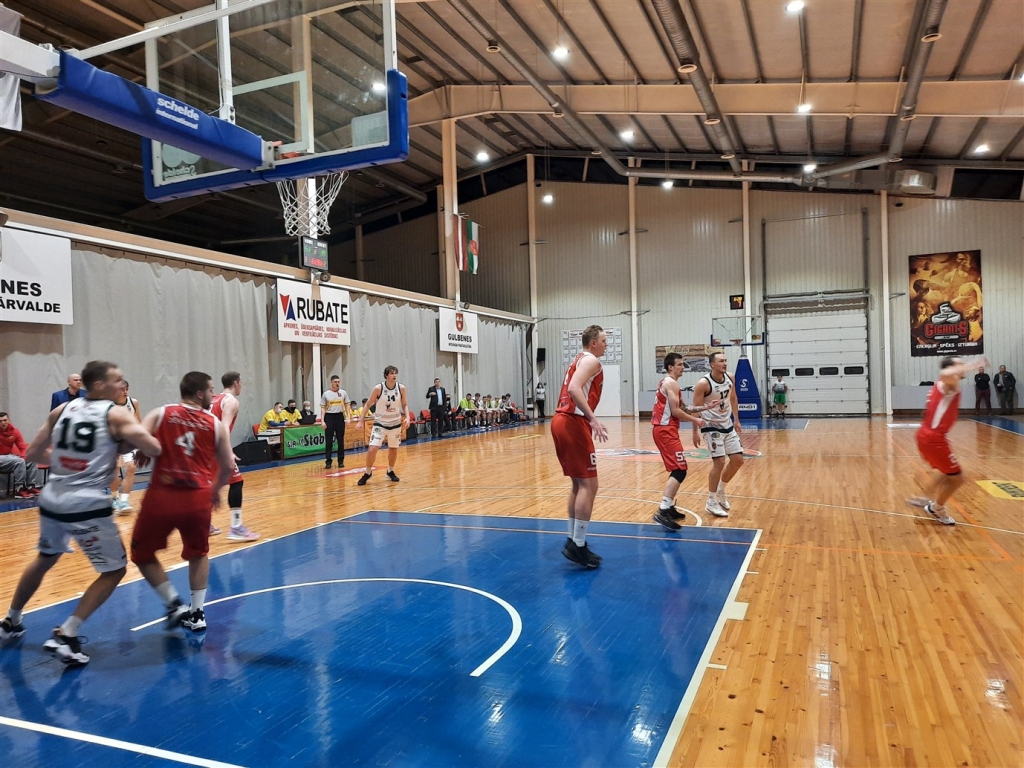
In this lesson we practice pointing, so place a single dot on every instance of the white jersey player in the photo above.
(391, 420)
(721, 431)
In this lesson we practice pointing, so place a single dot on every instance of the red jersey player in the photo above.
(195, 463)
(225, 407)
(573, 428)
(668, 410)
(940, 413)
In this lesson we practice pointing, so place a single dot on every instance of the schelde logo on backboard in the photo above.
(176, 106)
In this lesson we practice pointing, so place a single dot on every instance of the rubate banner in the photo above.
(35, 278)
(946, 304)
(457, 331)
(301, 317)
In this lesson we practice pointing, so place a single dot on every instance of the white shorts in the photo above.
(98, 538)
(392, 435)
(722, 443)
(128, 458)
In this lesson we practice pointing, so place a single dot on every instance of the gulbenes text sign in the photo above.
(457, 331)
(322, 319)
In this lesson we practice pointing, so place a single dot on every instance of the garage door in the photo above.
(824, 359)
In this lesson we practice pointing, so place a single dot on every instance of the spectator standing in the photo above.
(12, 459)
(1005, 385)
(435, 396)
(538, 398)
(982, 392)
(335, 412)
(65, 395)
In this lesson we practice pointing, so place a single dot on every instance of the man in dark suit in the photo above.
(436, 396)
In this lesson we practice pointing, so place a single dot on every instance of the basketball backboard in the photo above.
(738, 330)
(316, 78)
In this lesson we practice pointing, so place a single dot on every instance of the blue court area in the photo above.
(1003, 423)
(392, 639)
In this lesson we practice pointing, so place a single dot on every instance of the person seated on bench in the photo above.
(272, 419)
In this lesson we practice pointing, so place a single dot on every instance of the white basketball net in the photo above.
(306, 214)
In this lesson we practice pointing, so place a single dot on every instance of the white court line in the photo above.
(103, 741)
(1001, 429)
(517, 622)
(731, 609)
(699, 521)
(717, 666)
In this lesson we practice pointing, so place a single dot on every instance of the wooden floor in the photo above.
(872, 636)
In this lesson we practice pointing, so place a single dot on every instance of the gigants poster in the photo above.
(946, 304)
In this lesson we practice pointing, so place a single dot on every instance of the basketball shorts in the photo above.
(236, 475)
(780, 398)
(667, 440)
(391, 435)
(98, 538)
(574, 445)
(722, 443)
(164, 510)
(936, 451)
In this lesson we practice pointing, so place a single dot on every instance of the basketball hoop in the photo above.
(736, 342)
(305, 216)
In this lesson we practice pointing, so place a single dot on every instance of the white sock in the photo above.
(667, 502)
(198, 599)
(572, 526)
(124, 497)
(167, 593)
(712, 496)
(71, 626)
(579, 532)
(236, 518)
(721, 487)
(14, 616)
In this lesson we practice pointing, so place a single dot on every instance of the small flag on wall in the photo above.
(467, 244)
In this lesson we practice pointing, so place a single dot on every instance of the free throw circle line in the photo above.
(517, 621)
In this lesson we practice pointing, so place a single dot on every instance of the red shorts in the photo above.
(164, 510)
(574, 445)
(236, 476)
(667, 440)
(936, 451)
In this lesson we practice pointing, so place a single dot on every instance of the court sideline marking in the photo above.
(731, 610)
(517, 621)
(103, 741)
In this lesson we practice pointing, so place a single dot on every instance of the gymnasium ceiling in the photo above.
(850, 59)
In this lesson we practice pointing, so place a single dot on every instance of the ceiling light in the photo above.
(981, 149)
(795, 6)
(379, 87)
(548, 198)
(667, 184)
(482, 156)
(626, 135)
(803, 108)
(810, 167)
(561, 53)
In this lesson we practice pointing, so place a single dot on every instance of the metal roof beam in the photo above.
(972, 37)
(961, 98)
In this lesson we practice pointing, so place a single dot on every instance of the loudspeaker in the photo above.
(542, 354)
(253, 452)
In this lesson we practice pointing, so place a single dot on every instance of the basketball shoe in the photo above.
(195, 620)
(714, 507)
(67, 649)
(9, 630)
(241, 533)
(939, 513)
(580, 555)
(392, 476)
(664, 518)
(362, 480)
(176, 613)
(723, 502)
